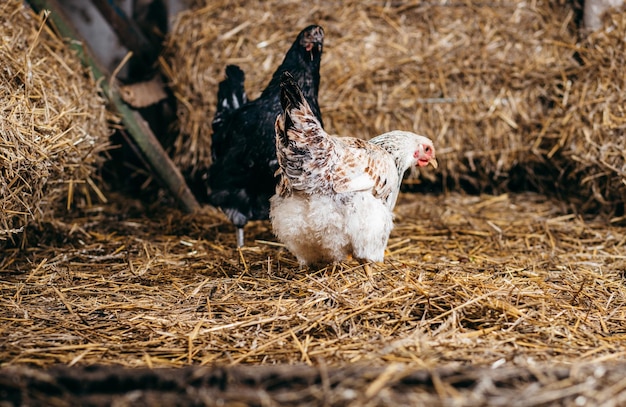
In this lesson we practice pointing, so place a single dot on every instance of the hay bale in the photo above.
(594, 120)
(52, 122)
(497, 85)
(474, 77)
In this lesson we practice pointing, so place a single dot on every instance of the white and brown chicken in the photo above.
(335, 196)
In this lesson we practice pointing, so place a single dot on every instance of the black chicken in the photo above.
(241, 179)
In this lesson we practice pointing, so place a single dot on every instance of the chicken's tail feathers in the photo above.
(291, 96)
(231, 95)
(302, 145)
(297, 118)
(231, 92)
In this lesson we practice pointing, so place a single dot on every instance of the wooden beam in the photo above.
(139, 130)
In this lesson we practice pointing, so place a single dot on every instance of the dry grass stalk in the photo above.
(52, 122)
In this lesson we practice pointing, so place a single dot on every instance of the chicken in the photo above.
(241, 179)
(336, 195)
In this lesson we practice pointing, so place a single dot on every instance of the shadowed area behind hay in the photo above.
(52, 123)
(468, 280)
(510, 93)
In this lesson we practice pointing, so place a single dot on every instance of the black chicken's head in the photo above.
(303, 61)
(311, 41)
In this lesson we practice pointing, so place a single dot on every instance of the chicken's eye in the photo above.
(427, 149)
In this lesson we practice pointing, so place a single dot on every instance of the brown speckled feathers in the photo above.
(313, 161)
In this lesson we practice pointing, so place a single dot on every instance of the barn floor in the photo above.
(509, 299)
(471, 287)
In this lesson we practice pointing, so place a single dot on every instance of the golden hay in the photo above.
(506, 279)
(52, 121)
(498, 85)
(511, 284)
(595, 117)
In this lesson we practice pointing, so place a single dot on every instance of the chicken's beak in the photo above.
(432, 161)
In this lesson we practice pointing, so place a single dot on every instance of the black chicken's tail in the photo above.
(231, 95)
